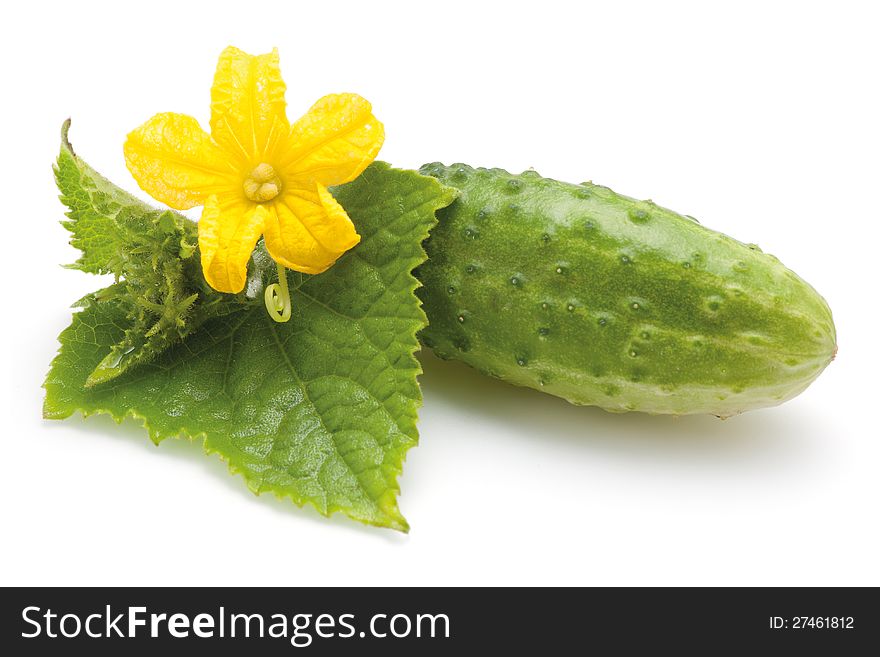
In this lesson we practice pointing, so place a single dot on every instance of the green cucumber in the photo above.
(605, 300)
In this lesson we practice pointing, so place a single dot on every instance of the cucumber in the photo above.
(606, 300)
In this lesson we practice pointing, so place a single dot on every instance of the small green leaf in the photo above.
(150, 252)
(321, 409)
(94, 203)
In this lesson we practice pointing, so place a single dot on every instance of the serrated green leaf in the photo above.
(321, 409)
(94, 203)
(150, 252)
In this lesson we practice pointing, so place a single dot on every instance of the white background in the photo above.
(761, 119)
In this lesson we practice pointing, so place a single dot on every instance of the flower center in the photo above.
(262, 184)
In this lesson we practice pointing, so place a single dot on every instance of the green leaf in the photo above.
(94, 204)
(321, 409)
(152, 255)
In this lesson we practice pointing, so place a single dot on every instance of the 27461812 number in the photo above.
(812, 623)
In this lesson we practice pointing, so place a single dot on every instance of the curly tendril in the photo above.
(277, 297)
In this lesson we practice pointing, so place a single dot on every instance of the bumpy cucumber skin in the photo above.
(605, 300)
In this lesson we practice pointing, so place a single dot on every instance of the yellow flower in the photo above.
(256, 174)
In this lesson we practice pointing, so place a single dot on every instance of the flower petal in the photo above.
(308, 230)
(248, 112)
(175, 161)
(228, 231)
(334, 142)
